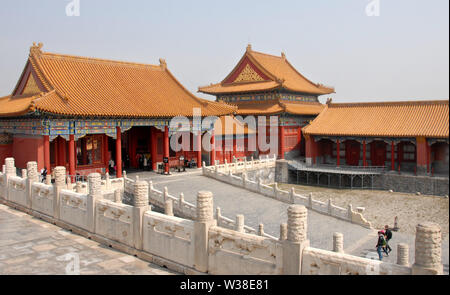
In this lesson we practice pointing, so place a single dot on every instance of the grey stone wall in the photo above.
(281, 171)
(426, 185)
(411, 184)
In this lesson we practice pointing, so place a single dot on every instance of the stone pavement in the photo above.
(31, 246)
(258, 209)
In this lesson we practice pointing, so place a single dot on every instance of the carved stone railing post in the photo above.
(292, 196)
(141, 205)
(32, 176)
(107, 181)
(95, 193)
(296, 240)
(403, 254)
(261, 230)
(60, 184)
(117, 196)
(165, 194)
(428, 250)
(338, 242)
(283, 231)
(10, 170)
(218, 215)
(48, 179)
(180, 202)
(244, 179)
(69, 183)
(240, 222)
(205, 219)
(168, 207)
(78, 187)
(310, 201)
(349, 212)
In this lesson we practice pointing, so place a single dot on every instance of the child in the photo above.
(381, 244)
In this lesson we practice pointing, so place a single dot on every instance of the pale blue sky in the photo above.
(401, 54)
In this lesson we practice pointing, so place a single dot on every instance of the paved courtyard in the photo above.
(30, 246)
(258, 209)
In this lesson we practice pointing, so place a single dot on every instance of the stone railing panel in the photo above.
(318, 261)
(42, 197)
(169, 237)
(73, 208)
(114, 221)
(17, 190)
(231, 252)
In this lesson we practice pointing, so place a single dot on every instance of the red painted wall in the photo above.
(5, 152)
(26, 149)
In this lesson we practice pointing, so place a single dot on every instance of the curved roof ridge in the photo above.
(252, 59)
(102, 60)
(388, 103)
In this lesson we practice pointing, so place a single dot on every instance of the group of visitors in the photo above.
(384, 236)
(144, 161)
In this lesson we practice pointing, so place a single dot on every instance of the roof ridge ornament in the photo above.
(36, 49)
(249, 47)
(283, 55)
(329, 100)
(163, 64)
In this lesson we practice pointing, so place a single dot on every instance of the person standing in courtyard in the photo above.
(388, 234)
(381, 244)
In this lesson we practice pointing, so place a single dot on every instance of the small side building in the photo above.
(406, 136)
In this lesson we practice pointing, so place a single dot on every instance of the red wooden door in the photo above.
(378, 153)
(352, 153)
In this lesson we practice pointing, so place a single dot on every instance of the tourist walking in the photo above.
(112, 169)
(388, 234)
(43, 174)
(380, 244)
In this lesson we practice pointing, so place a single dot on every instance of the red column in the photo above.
(199, 152)
(234, 146)
(72, 155)
(392, 156)
(61, 152)
(421, 150)
(105, 153)
(428, 157)
(281, 142)
(364, 154)
(299, 137)
(166, 147)
(154, 144)
(223, 150)
(47, 153)
(213, 149)
(118, 152)
(338, 153)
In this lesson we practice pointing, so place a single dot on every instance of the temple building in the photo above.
(267, 85)
(408, 136)
(80, 112)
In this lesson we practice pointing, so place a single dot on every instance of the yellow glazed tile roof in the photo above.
(80, 86)
(384, 119)
(281, 73)
(15, 106)
(234, 127)
(276, 106)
